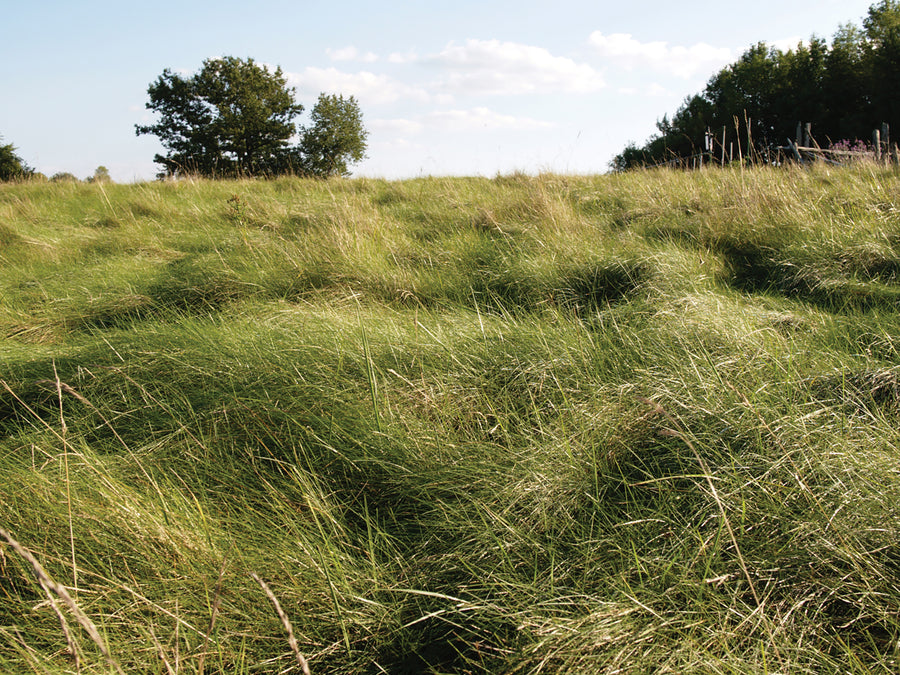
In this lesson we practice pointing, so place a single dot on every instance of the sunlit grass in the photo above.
(644, 422)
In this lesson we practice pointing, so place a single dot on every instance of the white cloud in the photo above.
(366, 86)
(788, 44)
(657, 90)
(481, 119)
(625, 51)
(351, 54)
(400, 127)
(473, 119)
(494, 67)
(653, 89)
(403, 57)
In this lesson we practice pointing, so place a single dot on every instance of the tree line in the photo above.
(846, 89)
(14, 168)
(237, 118)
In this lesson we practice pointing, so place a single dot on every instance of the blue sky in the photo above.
(446, 88)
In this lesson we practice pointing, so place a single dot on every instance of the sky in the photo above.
(461, 87)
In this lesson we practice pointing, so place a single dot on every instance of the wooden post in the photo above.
(750, 147)
(723, 146)
(807, 134)
(876, 141)
(799, 136)
(708, 145)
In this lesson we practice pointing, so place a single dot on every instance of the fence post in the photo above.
(886, 140)
(708, 146)
(723, 146)
(876, 142)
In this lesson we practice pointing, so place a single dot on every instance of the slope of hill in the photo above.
(625, 423)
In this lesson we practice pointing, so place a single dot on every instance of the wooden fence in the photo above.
(805, 149)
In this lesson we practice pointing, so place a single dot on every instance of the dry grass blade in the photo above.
(161, 652)
(289, 629)
(49, 584)
(212, 617)
(70, 640)
(64, 431)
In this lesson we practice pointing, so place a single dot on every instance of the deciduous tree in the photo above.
(101, 175)
(12, 166)
(234, 117)
(882, 27)
(237, 118)
(336, 137)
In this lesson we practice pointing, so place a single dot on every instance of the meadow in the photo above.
(632, 423)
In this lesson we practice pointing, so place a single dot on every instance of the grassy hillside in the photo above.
(635, 423)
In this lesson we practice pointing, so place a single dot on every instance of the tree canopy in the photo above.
(237, 118)
(101, 175)
(12, 166)
(845, 89)
(336, 137)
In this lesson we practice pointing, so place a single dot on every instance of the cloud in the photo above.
(494, 67)
(652, 90)
(403, 57)
(399, 127)
(473, 119)
(789, 44)
(351, 54)
(625, 51)
(481, 119)
(366, 86)
(657, 90)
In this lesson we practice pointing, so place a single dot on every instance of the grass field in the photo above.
(634, 423)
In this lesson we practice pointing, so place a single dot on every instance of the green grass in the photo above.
(644, 422)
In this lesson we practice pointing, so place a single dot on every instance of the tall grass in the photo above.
(630, 423)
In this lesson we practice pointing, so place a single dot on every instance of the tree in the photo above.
(64, 177)
(845, 85)
(101, 175)
(336, 138)
(845, 89)
(882, 28)
(233, 118)
(12, 167)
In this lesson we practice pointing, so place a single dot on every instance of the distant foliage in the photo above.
(237, 118)
(336, 137)
(101, 175)
(12, 167)
(64, 177)
(846, 90)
